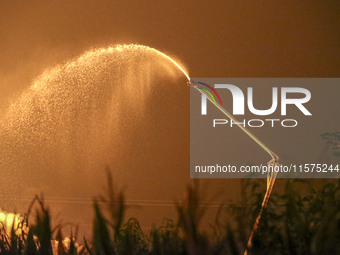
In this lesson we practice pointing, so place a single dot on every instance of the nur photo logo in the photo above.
(295, 96)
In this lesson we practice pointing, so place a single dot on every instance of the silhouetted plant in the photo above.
(333, 138)
(291, 224)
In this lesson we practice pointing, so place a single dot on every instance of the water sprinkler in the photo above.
(271, 177)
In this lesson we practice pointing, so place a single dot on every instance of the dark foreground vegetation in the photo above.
(291, 224)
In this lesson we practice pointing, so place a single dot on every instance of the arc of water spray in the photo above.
(274, 161)
(271, 177)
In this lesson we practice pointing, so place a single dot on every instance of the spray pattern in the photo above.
(39, 85)
(271, 177)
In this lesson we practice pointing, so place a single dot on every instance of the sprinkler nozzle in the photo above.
(190, 82)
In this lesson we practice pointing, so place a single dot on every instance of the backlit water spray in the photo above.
(74, 115)
(108, 107)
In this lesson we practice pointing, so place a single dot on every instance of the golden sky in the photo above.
(212, 38)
